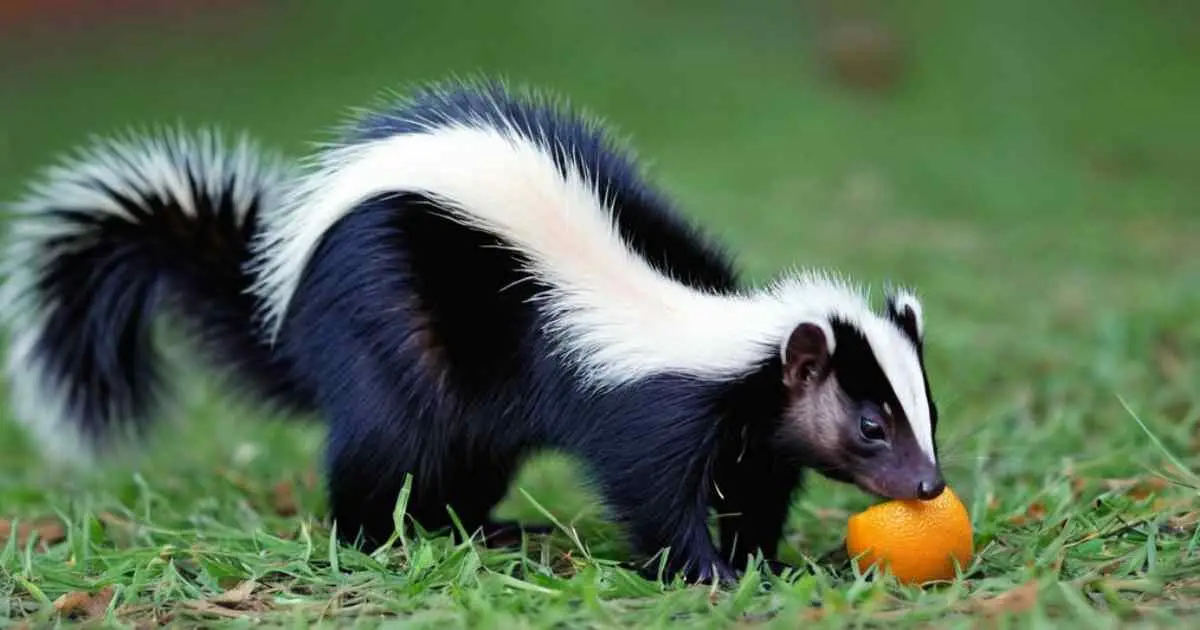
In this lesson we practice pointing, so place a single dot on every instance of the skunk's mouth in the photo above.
(890, 486)
(870, 486)
(908, 488)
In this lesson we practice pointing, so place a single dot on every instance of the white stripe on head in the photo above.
(905, 299)
(613, 315)
(898, 359)
(892, 349)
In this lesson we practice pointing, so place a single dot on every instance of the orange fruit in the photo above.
(918, 541)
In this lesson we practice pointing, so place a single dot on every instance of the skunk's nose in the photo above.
(931, 488)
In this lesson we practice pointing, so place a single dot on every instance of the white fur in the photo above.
(826, 330)
(137, 165)
(905, 298)
(616, 317)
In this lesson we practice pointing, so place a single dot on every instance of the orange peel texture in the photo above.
(918, 541)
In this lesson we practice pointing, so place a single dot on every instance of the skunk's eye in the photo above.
(871, 430)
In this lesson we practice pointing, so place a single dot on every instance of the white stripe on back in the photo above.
(616, 317)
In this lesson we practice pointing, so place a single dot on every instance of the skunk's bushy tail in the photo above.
(104, 241)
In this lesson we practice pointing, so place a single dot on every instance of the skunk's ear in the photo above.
(806, 354)
(904, 309)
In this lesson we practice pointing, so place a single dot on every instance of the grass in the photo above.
(1033, 174)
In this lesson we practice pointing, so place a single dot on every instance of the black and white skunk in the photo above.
(467, 277)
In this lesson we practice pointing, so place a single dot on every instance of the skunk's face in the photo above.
(859, 409)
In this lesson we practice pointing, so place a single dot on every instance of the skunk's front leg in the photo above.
(684, 538)
(753, 489)
(661, 492)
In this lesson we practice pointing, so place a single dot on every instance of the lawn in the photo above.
(1033, 171)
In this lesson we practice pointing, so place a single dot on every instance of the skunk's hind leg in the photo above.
(473, 484)
(364, 483)
(366, 477)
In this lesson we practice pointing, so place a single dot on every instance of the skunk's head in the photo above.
(858, 405)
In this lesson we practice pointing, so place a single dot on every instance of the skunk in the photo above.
(467, 276)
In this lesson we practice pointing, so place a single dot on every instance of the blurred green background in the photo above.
(1031, 167)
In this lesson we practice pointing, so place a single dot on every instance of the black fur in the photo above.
(646, 219)
(107, 275)
(415, 338)
(425, 363)
(426, 355)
